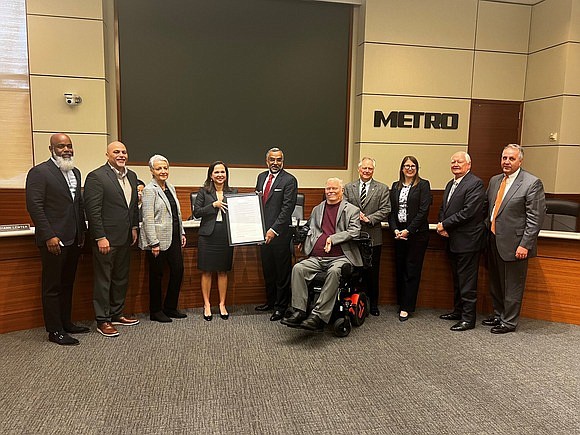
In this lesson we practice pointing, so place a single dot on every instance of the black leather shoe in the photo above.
(175, 313)
(491, 321)
(208, 318)
(450, 316)
(313, 323)
(375, 311)
(62, 338)
(74, 329)
(295, 319)
(462, 326)
(264, 307)
(502, 329)
(278, 315)
(160, 316)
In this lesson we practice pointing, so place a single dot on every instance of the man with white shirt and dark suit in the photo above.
(331, 228)
(278, 189)
(372, 198)
(55, 204)
(517, 207)
(461, 221)
(111, 205)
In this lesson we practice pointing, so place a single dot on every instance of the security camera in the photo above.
(72, 99)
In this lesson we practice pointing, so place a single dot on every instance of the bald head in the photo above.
(61, 150)
(117, 155)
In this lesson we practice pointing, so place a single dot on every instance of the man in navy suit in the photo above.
(54, 202)
(461, 221)
(278, 189)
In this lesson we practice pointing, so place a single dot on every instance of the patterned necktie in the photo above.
(363, 193)
(455, 183)
(498, 200)
(267, 188)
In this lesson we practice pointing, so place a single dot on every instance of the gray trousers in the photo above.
(110, 282)
(305, 271)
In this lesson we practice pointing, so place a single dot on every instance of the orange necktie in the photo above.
(498, 200)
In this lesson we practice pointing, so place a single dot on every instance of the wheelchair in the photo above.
(352, 306)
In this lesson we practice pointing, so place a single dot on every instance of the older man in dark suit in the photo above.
(55, 204)
(278, 189)
(332, 226)
(461, 220)
(111, 203)
(372, 198)
(517, 207)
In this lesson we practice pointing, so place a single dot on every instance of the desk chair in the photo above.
(561, 215)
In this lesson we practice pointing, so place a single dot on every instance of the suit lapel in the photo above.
(60, 178)
(275, 183)
(163, 196)
(511, 192)
(114, 179)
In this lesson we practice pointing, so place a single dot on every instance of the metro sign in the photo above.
(401, 119)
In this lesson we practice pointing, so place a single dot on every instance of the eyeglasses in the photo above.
(409, 166)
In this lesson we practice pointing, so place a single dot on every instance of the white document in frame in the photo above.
(245, 219)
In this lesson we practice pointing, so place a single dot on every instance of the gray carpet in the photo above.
(249, 376)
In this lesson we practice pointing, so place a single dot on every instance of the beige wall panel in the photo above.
(433, 161)
(391, 69)
(436, 23)
(503, 27)
(89, 150)
(543, 163)
(540, 119)
(386, 104)
(575, 21)
(50, 112)
(17, 143)
(568, 163)
(570, 126)
(78, 51)
(359, 69)
(499, 76)
(572, 83)
(546, 73)
(66, 8)
(550, 23)
(360, 16)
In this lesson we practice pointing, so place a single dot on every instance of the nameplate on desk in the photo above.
(14, 227)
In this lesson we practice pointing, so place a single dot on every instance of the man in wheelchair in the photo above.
(329, 244)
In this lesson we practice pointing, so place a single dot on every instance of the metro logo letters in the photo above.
(400, 119)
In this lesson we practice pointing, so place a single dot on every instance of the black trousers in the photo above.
(409, 256)
(277, 267)
(173, 257)
(58, 277)
(465, 267)
(371, 277)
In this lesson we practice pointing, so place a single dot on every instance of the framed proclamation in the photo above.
(245, 219)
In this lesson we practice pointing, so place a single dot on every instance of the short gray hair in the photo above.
(517, 147)
(367, 158)
(338, 180)
(274, 150)
(157, 158)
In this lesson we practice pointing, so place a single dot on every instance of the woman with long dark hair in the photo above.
(214, 253)
(410, 202)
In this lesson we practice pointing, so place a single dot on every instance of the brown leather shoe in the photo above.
(125, 321)
(107, 329)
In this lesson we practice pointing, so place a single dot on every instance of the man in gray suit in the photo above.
(517, 207)
(331, 227)
(111, 207)
(372, 198)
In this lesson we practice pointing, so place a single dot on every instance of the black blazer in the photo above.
(106, 207)
(51, 205)
(280, 203)
(204, 209)
(463, 216)
(418, 204)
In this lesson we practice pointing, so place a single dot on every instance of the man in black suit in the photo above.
(111, 206)
(461, 220)
(278, 189)
(54, 202)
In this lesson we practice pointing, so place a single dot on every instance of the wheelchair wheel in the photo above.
(342, 326)
(360, 309)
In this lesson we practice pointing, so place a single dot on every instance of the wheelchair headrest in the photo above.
(365, 246)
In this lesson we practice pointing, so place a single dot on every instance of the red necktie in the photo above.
(267, 188)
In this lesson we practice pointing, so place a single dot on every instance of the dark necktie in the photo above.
(267, 188)
(363, 193)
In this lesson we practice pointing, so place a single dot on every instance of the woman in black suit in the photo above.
(214, 253)
(410, 201)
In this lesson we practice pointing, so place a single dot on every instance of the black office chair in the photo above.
(192, 197)
(561, 215)
(298, 212)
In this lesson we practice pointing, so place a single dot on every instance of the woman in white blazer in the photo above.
(163, 237)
